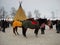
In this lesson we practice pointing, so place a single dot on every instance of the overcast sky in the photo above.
(45, 7)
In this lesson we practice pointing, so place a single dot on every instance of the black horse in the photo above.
(40, 20)
(49, 23)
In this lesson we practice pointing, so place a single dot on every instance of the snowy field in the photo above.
(49, 38)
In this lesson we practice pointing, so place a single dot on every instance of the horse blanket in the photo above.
(34, 22)
(30, 24)
(17, 23)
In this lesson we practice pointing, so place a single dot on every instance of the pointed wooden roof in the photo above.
(20, 14)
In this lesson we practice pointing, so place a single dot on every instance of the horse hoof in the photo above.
(42, 33)
(36, 36)
(3, 31)
(57, 32)
(17, 33)
(25, 36)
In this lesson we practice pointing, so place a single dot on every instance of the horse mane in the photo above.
(31, 19)
(41, 20)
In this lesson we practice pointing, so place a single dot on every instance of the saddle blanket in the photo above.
(34, 22)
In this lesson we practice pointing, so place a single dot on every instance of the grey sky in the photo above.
(44, 6)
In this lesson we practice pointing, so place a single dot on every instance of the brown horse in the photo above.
(30, 24)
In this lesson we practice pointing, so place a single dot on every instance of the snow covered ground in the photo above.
(49, 38)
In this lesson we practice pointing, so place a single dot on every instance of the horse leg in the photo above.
(36, 31)
(14, 30)
(42, 31)
(3, 29)
(24, 31)
(0, 28)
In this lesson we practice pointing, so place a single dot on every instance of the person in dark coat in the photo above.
(42, 28)
(4, 25)
(0, 25)
(58, 26)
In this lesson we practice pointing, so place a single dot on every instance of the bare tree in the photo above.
(29, 14)
(53, 15)
(37, 13)
(13, 11)
(3, 13)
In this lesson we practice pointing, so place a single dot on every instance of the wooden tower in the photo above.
(20, 14)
